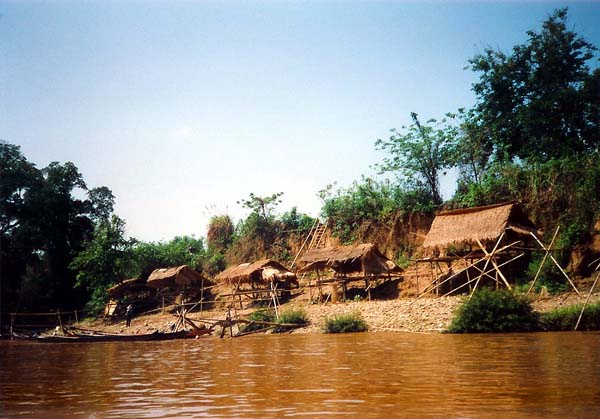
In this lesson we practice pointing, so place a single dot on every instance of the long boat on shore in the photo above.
(76, 338)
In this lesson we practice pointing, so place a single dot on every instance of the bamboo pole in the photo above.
(487, 260)
(470, 264)
(201, 294)
(274, 298)
(587, 300)
(557, 265)
(12, 324)
(498, 271)
(469, 281)
(62, 329)
(417, 275)
(316, 223)
(547, 252)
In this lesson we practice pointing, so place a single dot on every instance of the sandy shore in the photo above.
(403, 314)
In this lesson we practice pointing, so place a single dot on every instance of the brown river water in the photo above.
(379, 375)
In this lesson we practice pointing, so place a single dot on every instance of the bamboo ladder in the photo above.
(314, 240)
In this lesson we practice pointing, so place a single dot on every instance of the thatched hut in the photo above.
(350, 264)
(465, 227)
(175, 277)
(128, 287)
(133, 291)
(471, 244)
(263, 280)
(362, 259)
(180, 284)
(263, 272)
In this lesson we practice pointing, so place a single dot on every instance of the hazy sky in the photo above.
(184, 108)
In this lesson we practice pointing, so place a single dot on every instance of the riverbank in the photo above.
(425, 315)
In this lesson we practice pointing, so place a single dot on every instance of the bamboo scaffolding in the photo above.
(557, 265)
(469, 281)
(487, 261)
(498, 271)
(546, 253)
(473, 264)
(587, 301)
(588, 296)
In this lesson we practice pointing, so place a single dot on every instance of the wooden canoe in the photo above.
(113, 338)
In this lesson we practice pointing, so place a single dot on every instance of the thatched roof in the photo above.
(265, 270)
(127, 287)
(174, 277)
(358, 258)
(466, 226)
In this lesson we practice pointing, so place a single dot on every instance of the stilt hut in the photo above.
(473, 244)
(134, 290)
(349, 264)
(261, 280)
(178, 285)
(134, 287)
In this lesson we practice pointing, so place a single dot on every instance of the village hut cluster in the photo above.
(166, 288)
(464, 250)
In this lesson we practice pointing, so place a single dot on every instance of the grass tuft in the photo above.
(345, 323)
(262, 315)
(298, 316)
(565, 318)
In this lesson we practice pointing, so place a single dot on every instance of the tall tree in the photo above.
(45, 217)
(420, 154)
(473, 148)
(104, 260)
(541, 101)
(181, 250)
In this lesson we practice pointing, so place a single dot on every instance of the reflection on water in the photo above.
(363, 375)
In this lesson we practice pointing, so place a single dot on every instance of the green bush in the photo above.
(345, 323)
(550, 277)
(258, 316)
(494, 311)
(565, 318)
(299, 317)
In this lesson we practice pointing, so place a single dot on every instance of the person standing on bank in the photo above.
(129, 314)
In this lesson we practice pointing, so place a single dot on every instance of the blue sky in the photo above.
(184, 108)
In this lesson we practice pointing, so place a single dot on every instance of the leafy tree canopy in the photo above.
(541, 101)
(420, 154)
(46, 217)
(104, 261)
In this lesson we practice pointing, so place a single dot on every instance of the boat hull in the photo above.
(156, 336)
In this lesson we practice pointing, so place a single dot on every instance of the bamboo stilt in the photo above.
(471, 264)
(498, 271)
(535, 278)
(470, 281)
(557, 265)
(587, 300)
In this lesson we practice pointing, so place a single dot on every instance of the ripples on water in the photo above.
(362, 375)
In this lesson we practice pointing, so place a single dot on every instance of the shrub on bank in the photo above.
(494, 311)
(565, 318)
(299, 317)
(345, 323)
(262, 315)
